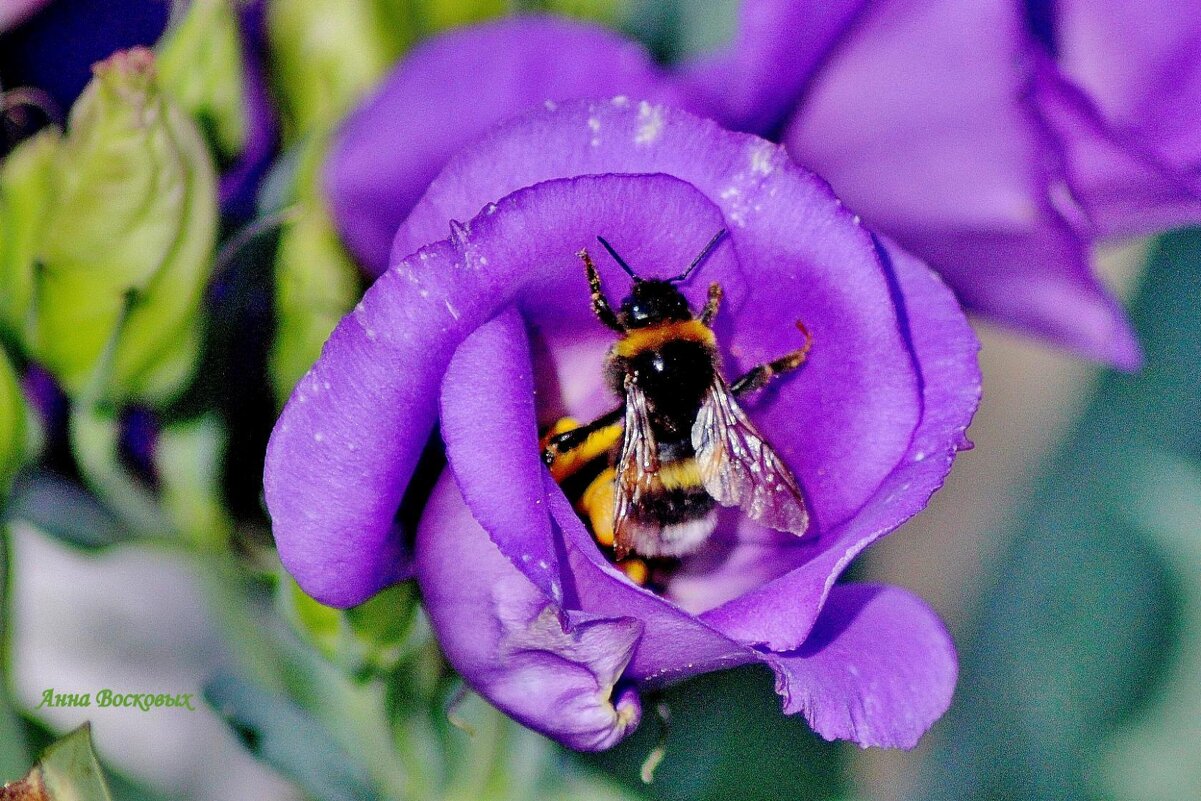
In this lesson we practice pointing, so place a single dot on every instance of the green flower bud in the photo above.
(25, 192)
(316, 283)
(325, 55)
(200, 66)
(12, 424)
(613, 12)
(438, 15)
(125, 247)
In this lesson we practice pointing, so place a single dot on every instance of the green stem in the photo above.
(95, 441)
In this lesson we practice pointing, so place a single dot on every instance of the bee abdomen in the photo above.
(676, 515)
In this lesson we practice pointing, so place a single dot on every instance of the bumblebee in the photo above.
(679, 444)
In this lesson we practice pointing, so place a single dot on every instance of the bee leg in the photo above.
(758, 377)
(600, 304)
(572, 442)
(711, 305)
(597, 504)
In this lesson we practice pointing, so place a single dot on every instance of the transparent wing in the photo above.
(738, 468)
(637, 472)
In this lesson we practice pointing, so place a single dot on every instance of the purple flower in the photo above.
(947, 124)
(489, 333)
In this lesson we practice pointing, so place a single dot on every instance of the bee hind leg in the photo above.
(758, 377)
(565, 451)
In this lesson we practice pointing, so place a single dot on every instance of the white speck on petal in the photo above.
(543, 565)
(650, 123)
(550, 105)
(761, 158)
(621, 101)
(319, 437)
(425, 293)
(450, 308)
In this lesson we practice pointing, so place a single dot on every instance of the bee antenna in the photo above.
(619, 259)
(700, 257)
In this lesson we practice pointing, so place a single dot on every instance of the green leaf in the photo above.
(727, 738)
(1158, 755)
(1083, 615)
(62, 508)
(67, 771)
(289, 739)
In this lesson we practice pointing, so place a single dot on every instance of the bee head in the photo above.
(652, 302)
(657, 300)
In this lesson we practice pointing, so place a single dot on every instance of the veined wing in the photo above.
(738, 468)
(637, 469)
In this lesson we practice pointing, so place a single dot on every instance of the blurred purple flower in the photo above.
(14, 12)
(489, 332)
(1121, 97)
(239, 182)
(947, 124)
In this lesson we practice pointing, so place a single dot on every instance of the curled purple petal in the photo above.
(14, 12)
(554, 671)
(488, 407)
(779, 613)
(1117, 102)
(389, 150)
(878, 668)
(786, 230)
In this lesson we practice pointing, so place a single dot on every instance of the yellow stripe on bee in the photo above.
(684, 474)
(653, 336)
(599, 442)
(597, 503)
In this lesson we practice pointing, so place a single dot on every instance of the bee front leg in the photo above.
(600, 304)
(758, 377)
(711, 305)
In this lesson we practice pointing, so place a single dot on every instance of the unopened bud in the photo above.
(125, 247)
(326, 55)
(200, 66)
